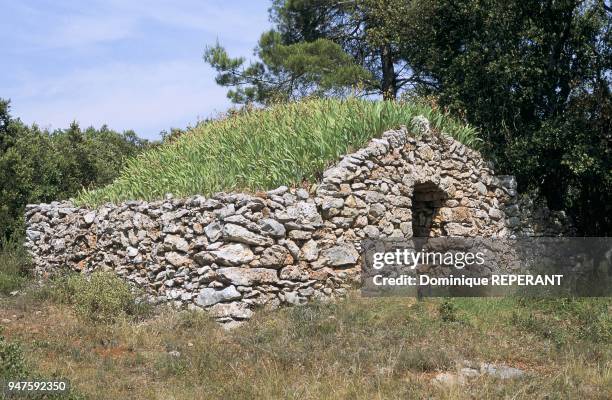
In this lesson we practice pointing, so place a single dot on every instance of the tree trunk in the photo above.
(389, 89)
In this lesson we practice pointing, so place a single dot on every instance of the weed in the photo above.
(448, 311)
(359, 348)
(12, 363)
(422, 360)
(562, 319)
(14, 267)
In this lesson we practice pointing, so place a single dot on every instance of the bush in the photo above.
(448, 311)
(12, 363)
(57, 289)
(102, 297)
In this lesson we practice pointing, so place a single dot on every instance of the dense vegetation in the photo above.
(263, 149)
(41, 166)
(534, 76)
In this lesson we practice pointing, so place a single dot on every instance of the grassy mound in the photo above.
(263, 149)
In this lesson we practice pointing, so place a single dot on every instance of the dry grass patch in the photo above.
(357, 348)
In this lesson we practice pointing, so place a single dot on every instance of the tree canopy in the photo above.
(286, 71)
(535, 77)
(320, 47)
(41, 166)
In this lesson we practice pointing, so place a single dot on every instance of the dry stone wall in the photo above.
(231, 253)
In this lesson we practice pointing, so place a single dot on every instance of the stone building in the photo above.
(233, 252)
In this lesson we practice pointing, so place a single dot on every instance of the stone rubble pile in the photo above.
(468, 370)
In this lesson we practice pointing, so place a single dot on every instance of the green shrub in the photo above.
(596, 324)
(260, 149)
(56, 289)
(60, 289)
(102, 297)
(37, 165)
(542, 327)
(448, 311)
(12, 363)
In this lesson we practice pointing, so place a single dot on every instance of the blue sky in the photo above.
(131, 64)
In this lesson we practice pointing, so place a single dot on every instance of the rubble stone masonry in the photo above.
(232, 252)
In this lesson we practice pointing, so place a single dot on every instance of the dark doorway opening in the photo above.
(427, 199)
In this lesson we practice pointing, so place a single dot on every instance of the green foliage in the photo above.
(12, 362)
(41, 166)
(263, 149)
(447, 311)
(101, 298)
(321, 47)
(56, 289)
(14, 267)
(286, 72)
(535, 77)
(563, 320)
(365, 29)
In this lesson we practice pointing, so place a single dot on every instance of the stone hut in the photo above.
(233, 252)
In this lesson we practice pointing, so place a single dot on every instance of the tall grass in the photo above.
(262, 149)
(14, 267)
